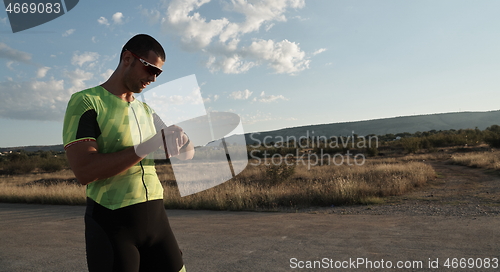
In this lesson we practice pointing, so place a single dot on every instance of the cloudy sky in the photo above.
(276, 63)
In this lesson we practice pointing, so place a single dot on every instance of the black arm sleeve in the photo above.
(88, 126)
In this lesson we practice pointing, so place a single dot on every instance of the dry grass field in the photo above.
(487, 160)
(269, 186)
(258, 187)
(307, 176)
(43, 188)
(323, 185)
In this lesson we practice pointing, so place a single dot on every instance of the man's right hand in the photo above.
(173, 140)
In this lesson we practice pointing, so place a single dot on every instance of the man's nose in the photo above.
(152, 78)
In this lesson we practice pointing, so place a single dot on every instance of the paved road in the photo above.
(50, 238)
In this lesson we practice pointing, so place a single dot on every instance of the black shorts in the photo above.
(134, 238)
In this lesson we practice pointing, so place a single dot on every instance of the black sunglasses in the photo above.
(151, 68)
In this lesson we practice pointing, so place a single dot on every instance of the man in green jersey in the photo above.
(107, 135)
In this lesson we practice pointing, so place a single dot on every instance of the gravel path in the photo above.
(453, 216)
(51, 238)
(456, 191)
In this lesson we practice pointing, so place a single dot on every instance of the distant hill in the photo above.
(34, 148)
(411, 124)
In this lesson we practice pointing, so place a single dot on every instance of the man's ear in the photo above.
(127, 58)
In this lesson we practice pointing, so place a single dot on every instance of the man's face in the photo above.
(137, 77)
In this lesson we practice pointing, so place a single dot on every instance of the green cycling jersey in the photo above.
(97, 115)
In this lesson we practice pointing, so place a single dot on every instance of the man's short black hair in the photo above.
(141, 44)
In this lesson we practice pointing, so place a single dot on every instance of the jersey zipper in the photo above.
(140, 141)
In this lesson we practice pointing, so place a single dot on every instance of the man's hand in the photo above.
(173, 140)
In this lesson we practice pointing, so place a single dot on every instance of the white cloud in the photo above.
(298, 17)
(42, 72)
(269, 26)
(256, 14)
(103, 21)
(84, 58)
(3, 20)
(269, 98)
(153, 16)
(14, 55)
(211, 98)
(195, 31)
(240, 95)
(77, 79)
(259, 117)
(68, 32)
(107, 74)
(9, 65)
(193, 98)
(118, 18)
(319, 51)
(283, 57)
(94, 39)
(229, 65)
(220, 38)
(39, 99)
(33, 100)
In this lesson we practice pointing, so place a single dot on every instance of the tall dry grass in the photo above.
(488, 160)
(30, 188)
(320, 186)
(253, 189)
